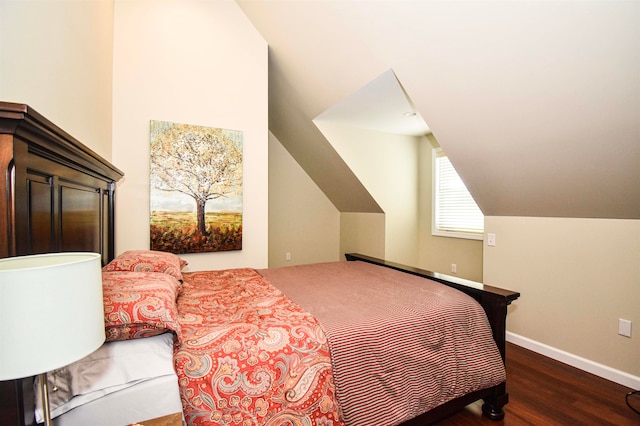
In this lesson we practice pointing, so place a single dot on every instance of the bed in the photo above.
(50, 175)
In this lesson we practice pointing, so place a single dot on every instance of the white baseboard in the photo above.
(584, 364)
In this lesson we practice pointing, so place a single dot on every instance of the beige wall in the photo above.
(304, 223)
(362, 233)
(438, 253)
(302, 220)
(577, 277)
(56, 57)
(397, 171)
(387, 165)
(198, 63)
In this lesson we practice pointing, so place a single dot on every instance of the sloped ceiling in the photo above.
(382, 105)
(537, 104)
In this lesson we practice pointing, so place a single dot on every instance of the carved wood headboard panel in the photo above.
(58, 196)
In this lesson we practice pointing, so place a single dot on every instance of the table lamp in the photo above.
(51, 314)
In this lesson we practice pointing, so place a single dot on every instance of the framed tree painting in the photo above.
(195, 188)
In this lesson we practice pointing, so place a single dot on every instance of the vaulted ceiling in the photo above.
(537, 103)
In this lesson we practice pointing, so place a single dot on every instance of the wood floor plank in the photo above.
(543, 391)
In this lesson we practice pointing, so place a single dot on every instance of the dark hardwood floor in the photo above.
(543, 391)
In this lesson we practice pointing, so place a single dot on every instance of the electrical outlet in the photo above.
(454, 268)
(624, 327)
(287, 256)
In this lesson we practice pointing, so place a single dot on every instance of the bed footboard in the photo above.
(494, 301)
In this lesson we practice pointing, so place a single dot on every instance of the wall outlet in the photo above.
(454, 268)
(287, 256)
(624, 327)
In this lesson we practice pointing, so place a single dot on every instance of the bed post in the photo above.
(109, 247)
(496, 310)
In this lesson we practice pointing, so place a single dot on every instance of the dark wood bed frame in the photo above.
(59, 196)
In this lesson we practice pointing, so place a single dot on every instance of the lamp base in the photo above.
(44, 392)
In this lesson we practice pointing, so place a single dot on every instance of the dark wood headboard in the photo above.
(58, 197)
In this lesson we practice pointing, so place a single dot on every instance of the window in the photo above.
(455, 213)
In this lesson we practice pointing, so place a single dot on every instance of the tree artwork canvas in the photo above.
(195, 188)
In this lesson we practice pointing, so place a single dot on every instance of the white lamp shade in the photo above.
(51, 311)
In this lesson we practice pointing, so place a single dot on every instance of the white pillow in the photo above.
(114, 366)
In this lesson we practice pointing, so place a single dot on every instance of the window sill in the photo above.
(463, 235)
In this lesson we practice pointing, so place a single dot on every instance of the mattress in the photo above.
(120, 383)
(146, 400)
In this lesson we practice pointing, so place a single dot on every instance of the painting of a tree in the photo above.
(196, 188)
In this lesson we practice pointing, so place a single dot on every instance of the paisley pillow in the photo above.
(139, 304)
(147, 261)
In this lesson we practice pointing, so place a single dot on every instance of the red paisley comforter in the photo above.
(248, 355)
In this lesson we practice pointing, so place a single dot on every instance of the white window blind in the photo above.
(456, 214)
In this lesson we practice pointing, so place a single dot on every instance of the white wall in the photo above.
(302, 220)
(576, 277)
(191, 62)
(56, 57)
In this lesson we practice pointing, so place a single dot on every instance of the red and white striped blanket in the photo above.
(400, 345)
